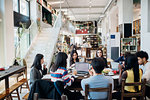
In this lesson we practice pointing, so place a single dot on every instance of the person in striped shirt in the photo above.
(59, 72)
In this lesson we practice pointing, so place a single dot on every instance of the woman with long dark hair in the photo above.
(36, 69)
(131, 74)
(59, 71)
(74, 57)
(99, 53)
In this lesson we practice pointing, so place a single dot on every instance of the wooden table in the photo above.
(76, 85)
(9, 72)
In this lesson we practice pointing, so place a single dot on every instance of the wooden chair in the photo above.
(25, 85)
(25, 97)
(24, 76)
(63, 97)
(108, 89)
(10, 90)
(140, 94)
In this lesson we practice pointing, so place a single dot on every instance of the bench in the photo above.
(7, 93)
(26, 97)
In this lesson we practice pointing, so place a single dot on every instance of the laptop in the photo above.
(82, 67)
(114, 65)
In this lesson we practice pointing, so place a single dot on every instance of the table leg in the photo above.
(6, 83)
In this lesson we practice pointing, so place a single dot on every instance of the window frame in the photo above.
(19, 7)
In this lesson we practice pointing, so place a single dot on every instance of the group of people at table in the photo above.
(134, 69)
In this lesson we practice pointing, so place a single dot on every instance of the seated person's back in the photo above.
(131, 73)
(59, 72)
(97, 79)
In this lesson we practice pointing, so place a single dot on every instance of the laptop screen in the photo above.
(114, 66)
(81, 66)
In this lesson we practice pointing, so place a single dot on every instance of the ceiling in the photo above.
(81, 10)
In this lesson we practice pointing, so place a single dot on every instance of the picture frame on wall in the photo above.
(137, 27)
(120, 29)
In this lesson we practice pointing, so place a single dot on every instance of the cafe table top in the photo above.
(77, 83)
(10, 71)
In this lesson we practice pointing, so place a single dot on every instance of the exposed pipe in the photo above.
(109, 4)
(106, 8)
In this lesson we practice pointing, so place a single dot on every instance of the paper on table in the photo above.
(47, 76)
(115, 77)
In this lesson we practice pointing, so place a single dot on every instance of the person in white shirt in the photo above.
(144, 64)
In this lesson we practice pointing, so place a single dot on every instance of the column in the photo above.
(145, 25)
(7, 49)
(125, 16)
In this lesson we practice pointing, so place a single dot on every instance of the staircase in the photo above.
(43, 44)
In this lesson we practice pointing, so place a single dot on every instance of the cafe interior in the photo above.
(74, 49)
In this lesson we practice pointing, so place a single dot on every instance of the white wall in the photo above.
(136, 14)
(145, 25)
(113, 19)
(120, 16)
(7, 33)
(2, 59)
(34, 14)
(125, 11)
(103, 25)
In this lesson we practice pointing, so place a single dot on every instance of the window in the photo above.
(21, 6)
(15, 5)
(24, 7)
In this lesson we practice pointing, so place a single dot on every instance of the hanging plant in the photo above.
(21, 31)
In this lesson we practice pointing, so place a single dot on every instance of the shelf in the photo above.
(46, 16)
(128, 51)
(128, 38)
(129, 45)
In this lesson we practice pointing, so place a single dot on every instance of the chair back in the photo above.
(108, 89)
(140, 93)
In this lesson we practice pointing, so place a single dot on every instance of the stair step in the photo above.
(43, 44)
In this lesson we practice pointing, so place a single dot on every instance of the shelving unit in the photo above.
(92, 39)
(128, 45)
(46, 14)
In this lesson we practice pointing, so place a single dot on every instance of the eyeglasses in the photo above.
(99, 52)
